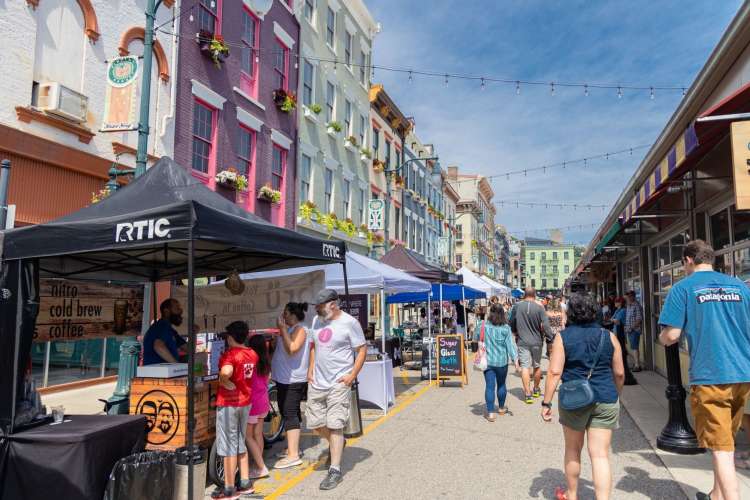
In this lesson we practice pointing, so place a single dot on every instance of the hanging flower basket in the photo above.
(285, 100)
(378, 166)
(231, 179)
(214, 47)
(267, 193)
(97, 197)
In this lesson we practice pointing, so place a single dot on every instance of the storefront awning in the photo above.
(608, 237)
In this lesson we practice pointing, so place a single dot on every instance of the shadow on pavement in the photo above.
(640, 481)
(545, 484)
(353, 455)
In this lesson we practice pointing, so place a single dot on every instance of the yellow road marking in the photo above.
(404, 376)
(284, 488)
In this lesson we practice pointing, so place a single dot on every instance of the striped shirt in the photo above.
(499, 343)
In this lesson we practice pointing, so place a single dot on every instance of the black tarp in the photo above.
(140, 234)
(413, 263)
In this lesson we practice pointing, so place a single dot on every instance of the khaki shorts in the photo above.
(328, 408)
(595, 416)
(718, 411)
(530, 356)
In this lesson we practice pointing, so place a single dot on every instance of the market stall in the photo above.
(165, 225)
(476, 282)
(499, 289)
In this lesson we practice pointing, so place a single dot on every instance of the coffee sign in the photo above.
(76, 310)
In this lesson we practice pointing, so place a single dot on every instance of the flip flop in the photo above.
(560, 494)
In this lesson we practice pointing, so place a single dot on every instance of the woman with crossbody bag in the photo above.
(588, 360)
(496, 348)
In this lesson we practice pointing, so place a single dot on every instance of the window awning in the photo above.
(609, 236)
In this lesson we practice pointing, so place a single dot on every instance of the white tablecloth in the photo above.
(372, 386)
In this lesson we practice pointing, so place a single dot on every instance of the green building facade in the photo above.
(546, 265)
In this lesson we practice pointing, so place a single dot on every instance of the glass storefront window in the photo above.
(677, 244)
(724, 263)
(720, 230)
(664, 258)
(740, 225)
(665, 281)
(742, 264)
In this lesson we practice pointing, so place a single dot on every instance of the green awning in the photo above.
(608, 237)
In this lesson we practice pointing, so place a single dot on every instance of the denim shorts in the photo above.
(634, 340)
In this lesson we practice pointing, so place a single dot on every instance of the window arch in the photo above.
(139, 33)
(91, 25)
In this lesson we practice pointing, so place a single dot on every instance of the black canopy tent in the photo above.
(165, 225)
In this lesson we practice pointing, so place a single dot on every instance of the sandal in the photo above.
(560, 494)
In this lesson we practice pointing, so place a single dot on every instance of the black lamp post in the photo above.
(677, 436)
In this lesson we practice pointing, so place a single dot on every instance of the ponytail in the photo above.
(298, 309)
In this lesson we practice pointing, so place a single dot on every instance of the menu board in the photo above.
(450, 356)
(356, 305)
(76, 310)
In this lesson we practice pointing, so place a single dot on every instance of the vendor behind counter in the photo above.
(162, 342)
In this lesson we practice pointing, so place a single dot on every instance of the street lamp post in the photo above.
(141, 156)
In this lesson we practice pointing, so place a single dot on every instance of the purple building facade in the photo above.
(226, 115)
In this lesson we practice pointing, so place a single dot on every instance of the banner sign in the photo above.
(119, 104)
(356, 305)
(260, 303)
(741, 162)
(376, 216)
(76, 310)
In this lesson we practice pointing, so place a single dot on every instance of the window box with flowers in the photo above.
(230, 183)
(363, 230)
(312, 111)
(378, 166)
(348, 228)
(365, 154)
(330, 221)
(351, 143)
(334, 128)
(213, 46)
(309, 212)
(285, 100)
(396, 242)
(398, 182)
(267, 193)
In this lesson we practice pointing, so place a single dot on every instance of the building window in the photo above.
(555, 283)
(413, 235)
(328, 192)
(406, 231)
(245, 151)
(277, 168)
(331, 28)
(348, 131)
(387, 153)
(362, 130)
(305, 173)
(281, 66)
(348, 45)
(459, 260)
(554, 255)
(567, 269)
(532, 270)
(544, 284)
(309, 10)
(203, 135)
(533, 283)
(566, 255)
(544, 269)
(532, 256)
(250, 43)
(345, 195)
(208, 16)
(375, 143)
(544, 255)
(362, 206)
(554, 270)
(330, 102)
(398, 157)
(363, 68)
(308, 76)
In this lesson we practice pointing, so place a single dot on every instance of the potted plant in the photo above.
(213, 46)
(378, 166)
(316, 108)
(334, 127)
(330, 221)
(351, 142)
(363, 230)
(348, 228)
(232, 179)
(378, 237)
(285, 100)
(365, 154)
(267, 193)
(308, 210)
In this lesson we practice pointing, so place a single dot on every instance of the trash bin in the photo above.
(142, 476)
(182, 459)
(354, 425)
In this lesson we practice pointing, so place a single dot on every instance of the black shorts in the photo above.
(290, 398)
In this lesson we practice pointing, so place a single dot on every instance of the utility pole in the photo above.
(4, 183)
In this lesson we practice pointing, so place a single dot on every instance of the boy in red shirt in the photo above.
(236, 367)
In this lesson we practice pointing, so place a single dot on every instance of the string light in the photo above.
(651, 95)
(548, 229)
(552, 88)
(411, 78)
(446, 79)
(585, 90)
(518, 88)
(482, 86)
(619, 92)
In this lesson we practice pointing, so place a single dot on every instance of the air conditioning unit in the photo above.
(60, 100)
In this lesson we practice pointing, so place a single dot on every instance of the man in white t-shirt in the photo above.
(334, 338)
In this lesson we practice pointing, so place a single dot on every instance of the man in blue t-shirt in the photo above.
(713, 310)
(161, 342)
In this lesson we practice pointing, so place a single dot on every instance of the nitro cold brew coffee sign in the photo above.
(75, 310)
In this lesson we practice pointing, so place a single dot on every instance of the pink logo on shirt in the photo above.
(324, 336)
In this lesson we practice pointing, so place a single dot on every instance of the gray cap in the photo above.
(326, 295)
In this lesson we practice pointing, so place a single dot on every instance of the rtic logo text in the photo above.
(142, 230)
(331, 251)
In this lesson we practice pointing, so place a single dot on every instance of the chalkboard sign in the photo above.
(450, 356)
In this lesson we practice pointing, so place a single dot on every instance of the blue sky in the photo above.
(492, 131)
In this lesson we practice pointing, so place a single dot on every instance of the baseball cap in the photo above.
(326, 295)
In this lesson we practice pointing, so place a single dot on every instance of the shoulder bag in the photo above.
(480, 358)
(576, 394)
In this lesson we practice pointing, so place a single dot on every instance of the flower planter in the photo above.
(227, 191)
(364, 158)
(309, 114)
(331, 131)
(351, 147)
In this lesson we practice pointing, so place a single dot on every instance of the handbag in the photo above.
(480, 358)
(576, 394)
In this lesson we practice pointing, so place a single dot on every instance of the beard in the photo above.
(176, 320)
(327, 313)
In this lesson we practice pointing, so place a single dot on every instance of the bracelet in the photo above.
(546, 405)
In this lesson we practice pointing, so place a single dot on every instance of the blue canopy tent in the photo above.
(449, 292)
(517, 293)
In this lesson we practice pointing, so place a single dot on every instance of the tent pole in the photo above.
(191, 360)
(463, 303)
(429, 336)
(385, 373)
(441, 308)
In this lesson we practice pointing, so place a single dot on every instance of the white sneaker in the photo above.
(287, 462)
(258, 473)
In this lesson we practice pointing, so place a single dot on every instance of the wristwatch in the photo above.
(547, 405)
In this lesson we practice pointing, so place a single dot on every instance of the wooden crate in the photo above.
(164, 402)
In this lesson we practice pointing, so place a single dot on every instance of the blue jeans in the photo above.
(495, 375)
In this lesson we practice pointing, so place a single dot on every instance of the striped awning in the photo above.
(664, 171)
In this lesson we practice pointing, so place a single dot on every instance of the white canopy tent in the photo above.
(474, 281)
(500, 289)
(365, 276)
